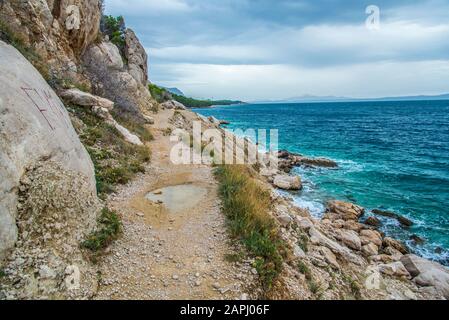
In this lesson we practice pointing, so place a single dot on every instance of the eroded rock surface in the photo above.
(59, 31)
(111, 79)
(34, 127)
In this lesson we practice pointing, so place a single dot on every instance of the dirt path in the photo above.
(178, 249)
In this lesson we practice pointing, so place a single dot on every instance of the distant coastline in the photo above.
(322, 99)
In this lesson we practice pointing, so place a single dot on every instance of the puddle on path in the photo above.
(178, 198)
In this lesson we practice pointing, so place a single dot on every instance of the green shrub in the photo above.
(305, 270)
(303, 242)
(116, 161)
(246, 206)
(114, 28)
(161, 95)
(109, 227)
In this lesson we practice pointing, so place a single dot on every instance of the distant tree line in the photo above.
(161, 95)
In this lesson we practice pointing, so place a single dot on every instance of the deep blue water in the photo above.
(391, 155)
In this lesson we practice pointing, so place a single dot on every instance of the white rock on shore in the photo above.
(426, 273)
(287, 182)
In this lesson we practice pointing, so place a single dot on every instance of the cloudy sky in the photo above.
(276, 49)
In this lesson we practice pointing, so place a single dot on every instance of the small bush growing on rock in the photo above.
(116, 161)
(109, 228)
(246, 205)
(305, 270)
(159, 94)
(313, 286)
(303, 242)
(354, 286)
(114, 28)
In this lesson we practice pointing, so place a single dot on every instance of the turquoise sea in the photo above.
(391, 155)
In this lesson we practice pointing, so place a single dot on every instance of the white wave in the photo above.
(316, 208)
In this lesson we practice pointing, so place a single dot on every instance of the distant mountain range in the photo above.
(310, 98)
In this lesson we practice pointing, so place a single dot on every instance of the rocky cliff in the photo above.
(48, 194)
(58, 30)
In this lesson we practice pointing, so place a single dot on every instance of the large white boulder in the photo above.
(86, 99)
(287, 182)
(173, 104)
(34, 128)
(426, 273)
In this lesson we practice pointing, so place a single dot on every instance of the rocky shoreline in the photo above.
(348, 240)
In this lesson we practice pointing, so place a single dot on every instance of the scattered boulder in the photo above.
(350, 239)
(319, 162)
(304, 223)
(383, 213)
(383, 258)
(287, 182)
(395, 269)
(173, 104)
(345, 210)
(352, 225)
(390, 242)
(417, 240)
(148, 119)
(267, 172)
(298, 252)
(330, 257)
(214, 120)
(405, 222)
(288, 160)
(284, 219)
(370, 249)
(371, 236)
(316, 237)
(426, 273)
(127, 135)
(373, 221)
(85, 99)
(395, 254)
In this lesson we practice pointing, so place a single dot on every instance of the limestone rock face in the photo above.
(34, 128)
(60, 31)
(287, 182)
(111, 80)
(57, 211)
(137, 58)
(426, 273)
